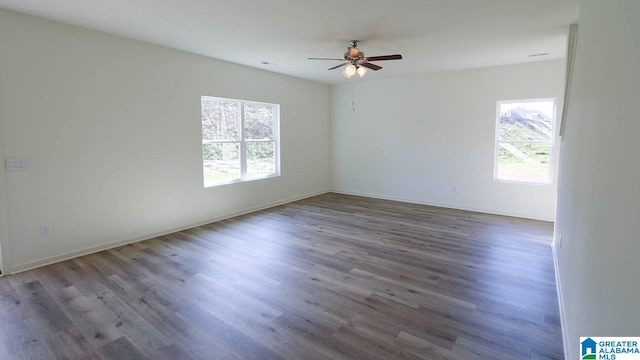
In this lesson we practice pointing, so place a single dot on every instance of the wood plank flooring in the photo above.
(330, 277)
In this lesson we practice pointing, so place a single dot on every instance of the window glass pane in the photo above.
(526, 121)
(221, 162)
(524, 162)
(261, 159)
(220, 119)
(240, 140)
(259, 121)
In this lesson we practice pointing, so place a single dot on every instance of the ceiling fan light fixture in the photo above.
(362, 70)
(349, 71)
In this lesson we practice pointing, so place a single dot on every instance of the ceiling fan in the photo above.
(356, 62)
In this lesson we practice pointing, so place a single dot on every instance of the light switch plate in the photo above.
(17, 164)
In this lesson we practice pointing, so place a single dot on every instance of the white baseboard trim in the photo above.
(563, 319)
(110, 245)
(447, 206)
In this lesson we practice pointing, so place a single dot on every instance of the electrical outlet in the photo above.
(560, 242)
(17, 164)
(45, 230)
(454, 188)
(183, 203)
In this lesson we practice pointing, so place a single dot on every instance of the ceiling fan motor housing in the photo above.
(353, 53)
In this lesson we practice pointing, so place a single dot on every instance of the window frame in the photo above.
(242, 141)
(551, 142)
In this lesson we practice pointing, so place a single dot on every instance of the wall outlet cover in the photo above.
(45, 230)
(17, 164)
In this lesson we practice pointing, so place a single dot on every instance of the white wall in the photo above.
(413, 138)
(599, 203)
(112, 129)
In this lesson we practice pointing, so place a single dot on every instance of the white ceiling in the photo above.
(432, 35)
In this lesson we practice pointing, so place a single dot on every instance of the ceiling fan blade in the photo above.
(371, 66)
(384, 57)
(341, 65)
(325, 59)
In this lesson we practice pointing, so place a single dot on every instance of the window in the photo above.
(239, 140)
(524, 140)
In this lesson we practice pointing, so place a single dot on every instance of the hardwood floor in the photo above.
(330, 277)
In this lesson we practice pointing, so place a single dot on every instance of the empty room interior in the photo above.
(318, 180)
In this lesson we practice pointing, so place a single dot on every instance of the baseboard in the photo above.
(563, 319)
(447, 206)
(110, 245)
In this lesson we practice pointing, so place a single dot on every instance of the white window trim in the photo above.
(242, 141)
(551, 143)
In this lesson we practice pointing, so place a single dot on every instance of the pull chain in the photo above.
(353, 97)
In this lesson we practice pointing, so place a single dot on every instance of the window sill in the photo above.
(520, 182)
(236, 181)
